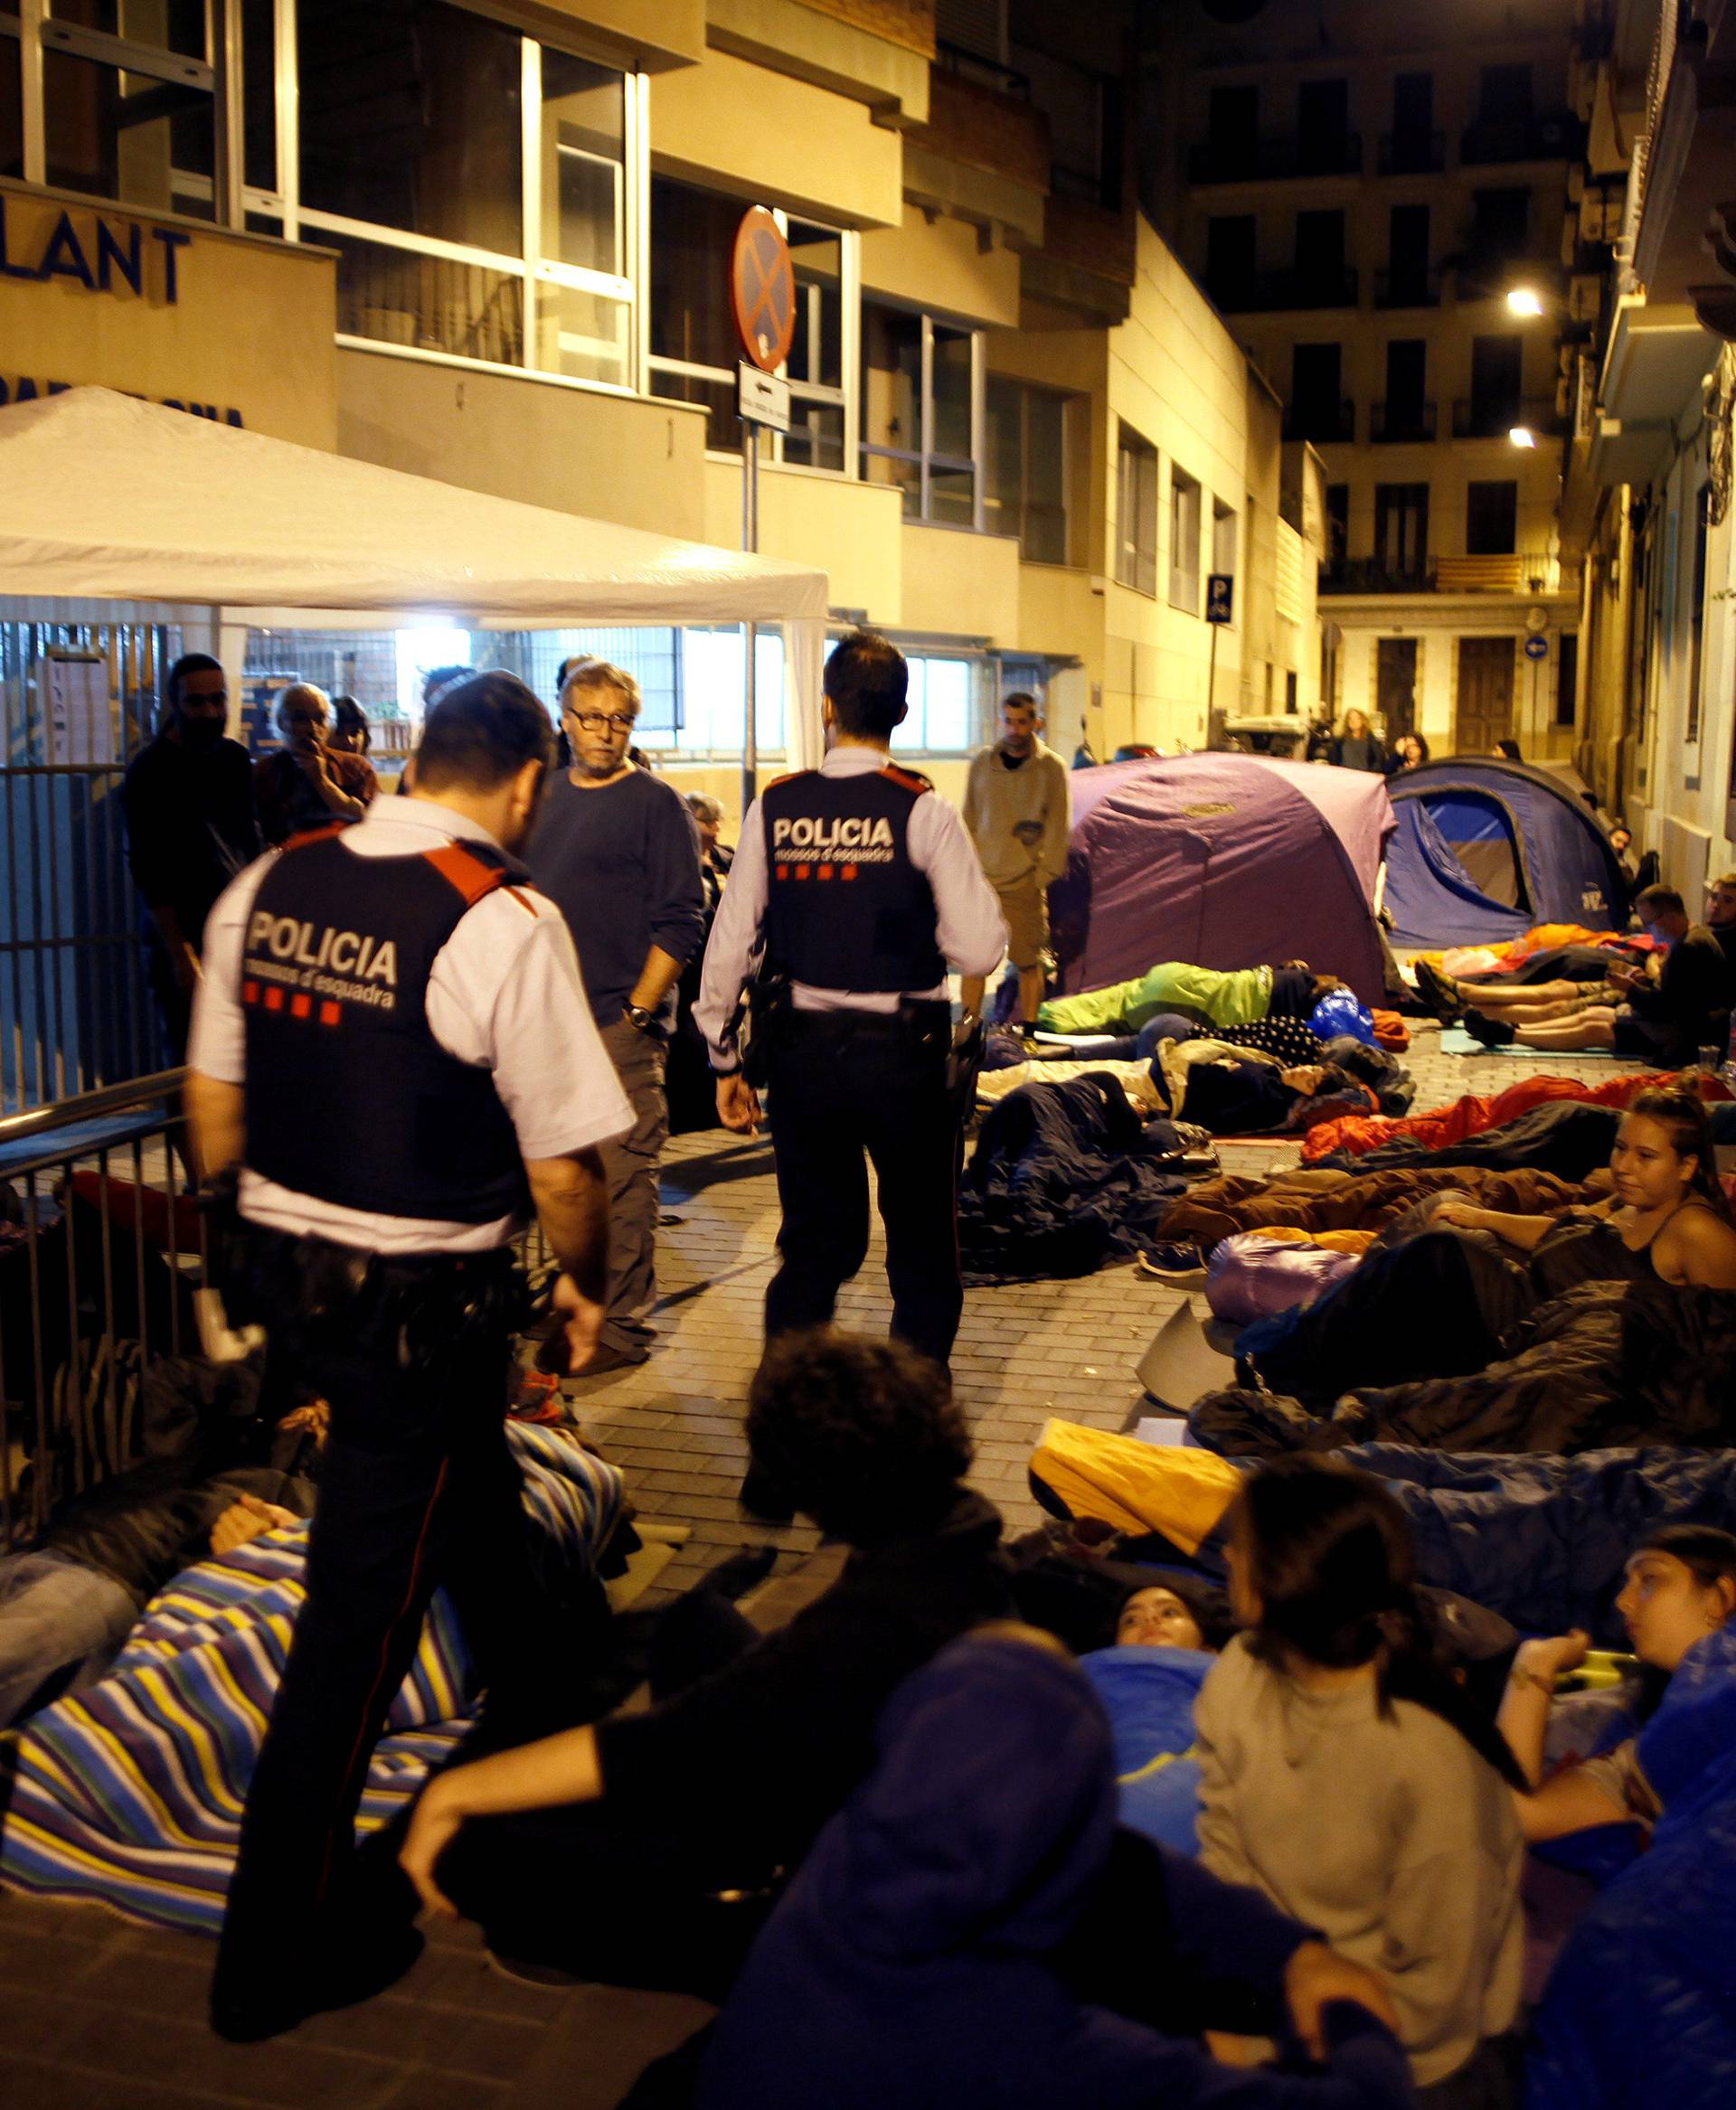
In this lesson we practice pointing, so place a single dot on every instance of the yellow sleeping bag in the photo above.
(1134, 1486)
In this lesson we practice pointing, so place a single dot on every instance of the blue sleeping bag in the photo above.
(1640, 2009)
(1148, 1695)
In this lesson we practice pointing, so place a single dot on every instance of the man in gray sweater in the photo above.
(1019, 812)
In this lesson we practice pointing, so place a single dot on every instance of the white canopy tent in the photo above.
(102, 496)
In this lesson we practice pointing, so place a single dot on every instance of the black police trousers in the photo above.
(848, 1086)
(417, 1489)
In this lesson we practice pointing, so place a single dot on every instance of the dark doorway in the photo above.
(1323, 126)
(1395, 686)
(1406, 375)
(1401, 530)
(1407, 257)
(1491, 519)
(1484, 713)
(1233, 124)
(1413, 146)
(1337, 529)
(1497, 364)
(1229, 259)
(1315, 385)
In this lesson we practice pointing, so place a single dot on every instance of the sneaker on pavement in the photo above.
(1178, 1262)
(1493, 1032)
(1438, 992)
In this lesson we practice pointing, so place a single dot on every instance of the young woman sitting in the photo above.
(1346, 1777)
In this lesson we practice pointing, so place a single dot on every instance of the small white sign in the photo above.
(763, 399)
(80, 709)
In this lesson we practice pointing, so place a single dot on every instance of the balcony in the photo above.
(1406, 286)
(1265, 161)
(1390, 423)
(1494, 417)
(1558, 135)
(1327, 424)
(1375, 575)
(1515, 571)
(1411, 152)
(1263, 292)
(990, 128)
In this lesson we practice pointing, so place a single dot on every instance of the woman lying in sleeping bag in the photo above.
(1235, 998)
(1437, 1303)
(1640, 2008)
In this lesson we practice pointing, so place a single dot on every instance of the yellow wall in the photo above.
(603, 457)
(250, 330)
(961, 585)
(850, 531)
(941, 265)
(650, 33)
(736, 126)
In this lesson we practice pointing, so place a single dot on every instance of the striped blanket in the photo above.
(130, 1794)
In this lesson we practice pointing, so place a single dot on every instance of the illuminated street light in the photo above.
(1522, 436)
(1524, 300)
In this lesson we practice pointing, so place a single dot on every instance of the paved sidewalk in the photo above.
(99, 2015)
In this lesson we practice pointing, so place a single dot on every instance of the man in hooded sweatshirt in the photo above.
(928, 1952)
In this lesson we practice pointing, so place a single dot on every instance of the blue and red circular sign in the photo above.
(762, 290)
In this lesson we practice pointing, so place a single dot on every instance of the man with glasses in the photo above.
(617, 849)
(191, 827)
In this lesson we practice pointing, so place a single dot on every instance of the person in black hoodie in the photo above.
(928, 1952)
(679, 1824)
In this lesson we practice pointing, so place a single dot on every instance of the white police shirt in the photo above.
(969, 928)
(503, 994)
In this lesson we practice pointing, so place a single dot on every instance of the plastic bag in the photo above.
(1339, 1013)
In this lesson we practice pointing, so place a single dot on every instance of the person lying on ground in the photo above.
(1663, 1013)
(944, 1944)
(1232, 997)
(1331, 1683)
(1431, 1301)
(1681, 1588)
(723, 1786)
(67, 1605)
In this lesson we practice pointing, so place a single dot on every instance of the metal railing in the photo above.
(1555, 136)
(1417, 153)
(1390, 422)
(1244, 161)
(1254, 292)
(102, 1249)
(1494, 417)
(1321, 421)
(1408, 286)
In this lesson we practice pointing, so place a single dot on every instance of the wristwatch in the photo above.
(638, 1018)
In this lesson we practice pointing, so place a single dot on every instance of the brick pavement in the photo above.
(99, 2015)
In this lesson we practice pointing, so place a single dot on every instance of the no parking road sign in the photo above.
(762, 290)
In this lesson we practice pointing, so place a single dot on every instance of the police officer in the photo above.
(393, 1046)
(860, 887)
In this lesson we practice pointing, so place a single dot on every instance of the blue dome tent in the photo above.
(1486, 848)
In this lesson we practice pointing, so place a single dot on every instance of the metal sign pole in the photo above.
(751, 544)
(1212, 682)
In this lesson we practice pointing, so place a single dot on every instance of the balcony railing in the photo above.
(1375, 575)
(1390, 423)
(1557, 136)
(1257, 161)
(1408, 286)
(1413, 152)
(1494, 417)
(1328, 423)
(1259, 292)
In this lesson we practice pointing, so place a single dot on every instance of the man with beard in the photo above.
(188, 803)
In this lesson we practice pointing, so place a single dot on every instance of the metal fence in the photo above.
(101, 1251)
(76, 703)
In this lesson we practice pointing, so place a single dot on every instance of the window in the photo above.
(940, 720)
(1135, 512)
(1085, 134)
(1697, 609)
(1183, 539)
(1316, 409)
(714, 682)
(1567, 681)
(474, 182)
(1234, 122)
(920, 393)
(1497, 368)
(1413, 144)
(1401, 530)
(12, 100)
(1337, 528)
(1025, 459)
(1224, 538)
(1500, 235)
(1229, 259)
(1404, 414)
(1504, 95)
(1320, 249)
(1323, 126)
(1407, 257)
(129, 104)
(1491, 519)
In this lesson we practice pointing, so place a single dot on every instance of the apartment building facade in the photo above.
(488, 243)
(1383, 214)
(1648, 483)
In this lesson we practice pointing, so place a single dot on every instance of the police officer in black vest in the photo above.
(392, 1050)
(857, 888)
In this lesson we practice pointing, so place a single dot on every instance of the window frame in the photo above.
(1133, 557)
(1181, 483)
(925, 459)
(1064, 401)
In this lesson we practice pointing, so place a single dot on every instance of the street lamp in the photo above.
(1521, 436)
(1524, 300)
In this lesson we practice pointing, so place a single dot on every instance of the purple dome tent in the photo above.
(1229, 861)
